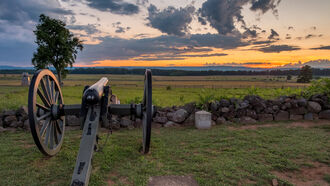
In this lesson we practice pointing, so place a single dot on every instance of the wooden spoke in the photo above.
(44, 127)
(52, 91)
(55, 133)
(43, 116)
(45, 91)
(43, 98)
(51, 140)
(47, 135)
(43, 107)
(59, 130)
(48, 87)
(56, 97)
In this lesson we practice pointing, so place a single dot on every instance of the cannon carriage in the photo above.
(47, 113)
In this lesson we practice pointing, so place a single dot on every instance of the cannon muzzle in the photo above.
(94, 93)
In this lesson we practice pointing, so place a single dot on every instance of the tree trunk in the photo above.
(59, 77)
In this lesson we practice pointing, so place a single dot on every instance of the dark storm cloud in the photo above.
(265, 5)
(223, 14)
(277, 48)
(114, 6)
(171, 21)
(322, 48)
(20, 12)
(16, 53)
(123, 49)
(262, 42)
(249, 33)
(89, 29)
(273, 34)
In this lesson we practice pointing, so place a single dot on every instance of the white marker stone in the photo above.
(203, 120)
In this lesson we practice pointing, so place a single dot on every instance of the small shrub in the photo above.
(168, 87)
(320, 86)
(204, 98)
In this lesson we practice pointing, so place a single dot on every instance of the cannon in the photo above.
(47, 111)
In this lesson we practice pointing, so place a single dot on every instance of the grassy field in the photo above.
(167, 91)
(221, 156)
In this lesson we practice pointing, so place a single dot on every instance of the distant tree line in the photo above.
(162, 72)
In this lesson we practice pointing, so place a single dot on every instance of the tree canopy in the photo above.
(306, 74)
(56, 46)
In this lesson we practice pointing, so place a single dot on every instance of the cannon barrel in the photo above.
(94, 93)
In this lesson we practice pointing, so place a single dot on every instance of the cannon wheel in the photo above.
(47, 125)
(147, 111)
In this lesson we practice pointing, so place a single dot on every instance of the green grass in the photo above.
(212, 157)
(12, 97)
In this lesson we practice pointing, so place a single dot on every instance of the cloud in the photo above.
(223, 14)
(178, 57)
(20, 12)
(89, 29)
(290, 28)
(273, 34)
(322, 48)
(277, 48)
(288, 36)
(123, 49)
(310, 36)
(320, 63)
(120, 29)
(265, 5)
(313, 27)
(114, 6)
(171, 21)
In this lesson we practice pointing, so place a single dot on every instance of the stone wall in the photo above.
(250, 110)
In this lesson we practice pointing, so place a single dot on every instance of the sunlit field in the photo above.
(167, 90)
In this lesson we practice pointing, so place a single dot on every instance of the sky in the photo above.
(252, 33)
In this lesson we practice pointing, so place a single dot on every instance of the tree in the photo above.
(56, 46)
(288, 77)
(305, 75)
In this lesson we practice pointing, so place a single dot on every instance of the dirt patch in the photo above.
(172, 181)
(304, 124)
(307, 176)
(121, 179)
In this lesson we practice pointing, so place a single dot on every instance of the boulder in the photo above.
(203, 120)
(265, 117)
(308, 116)
(247, 120)
(190, 121)
(281, 116)
(296, 117)
(9, 119)
(137, 123)
(1, 122)
(9, 113)
(161, 120)
(325, 114)
(214, 106)
(125, 122)
(302, 102)
(220, 121)
(314, 107)
(72, 120)
(190, 107)
(161, 114)
(298, 111)
(22, 111)
(170, 124)
(224, 109)
(178, 116)
(251, 113)
(26, 125)
(2, 129)
(224, 103)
